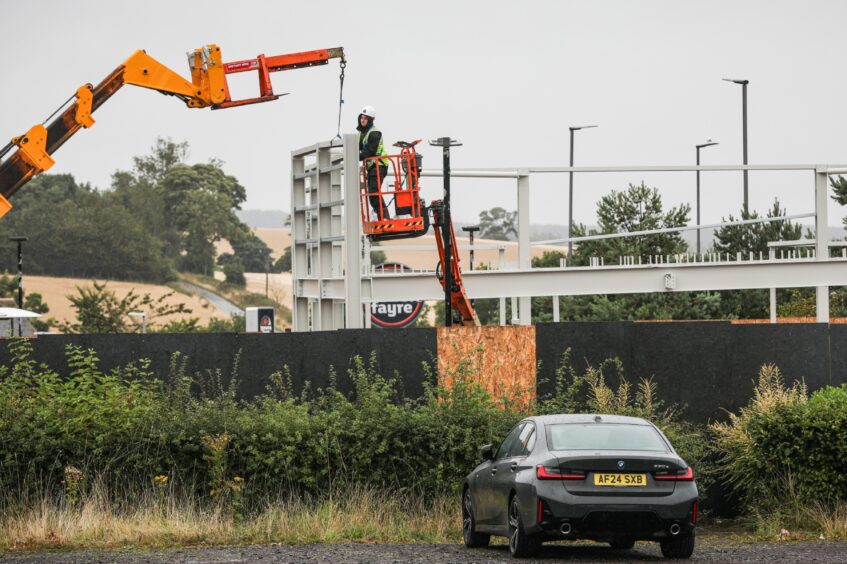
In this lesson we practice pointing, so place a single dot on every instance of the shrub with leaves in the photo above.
(785, 444)
(131, 432)
(234, 274)
(100, 310)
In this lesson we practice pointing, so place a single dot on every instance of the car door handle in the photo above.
(493, 470)
(513, 467)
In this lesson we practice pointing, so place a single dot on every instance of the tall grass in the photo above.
(354, 513)
(797, 516)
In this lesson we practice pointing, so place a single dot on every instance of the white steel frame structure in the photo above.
(333, 283)
(324, 183)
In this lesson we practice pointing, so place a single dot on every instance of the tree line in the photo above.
(162, 217)
(640, 208)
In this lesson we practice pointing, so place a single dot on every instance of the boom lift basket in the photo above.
(400, 191)
(404, 192)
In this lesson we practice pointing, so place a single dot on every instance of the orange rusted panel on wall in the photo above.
(500, 359)
(832, 320)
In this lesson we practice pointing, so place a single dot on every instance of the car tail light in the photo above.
(685, 475)
(541, 510)
(694, 513)
(549, 473)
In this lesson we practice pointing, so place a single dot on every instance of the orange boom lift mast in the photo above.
(208, 88)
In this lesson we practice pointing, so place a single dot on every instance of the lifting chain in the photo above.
(340, 95)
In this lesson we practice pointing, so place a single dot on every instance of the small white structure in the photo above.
(14, 322)
(260, 319)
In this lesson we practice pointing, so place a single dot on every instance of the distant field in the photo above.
(275, 238)
(54, 292)
(278, 285)
(427, 258)
(279, 238)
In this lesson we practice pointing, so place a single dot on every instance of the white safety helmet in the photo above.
(368, 111)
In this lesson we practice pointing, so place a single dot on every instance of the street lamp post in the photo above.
(570, 193)
(267, 275)
(743, 84)
(708, 143)
(470, 230)
(20, 241)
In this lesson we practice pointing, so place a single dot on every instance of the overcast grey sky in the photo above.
(507, 78)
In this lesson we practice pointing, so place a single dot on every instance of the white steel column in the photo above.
(773, 304)
(323, 214)
(501, 256)
(555, 309)
(524, 314)
(352, 234)
(822, 239)
(300, 320)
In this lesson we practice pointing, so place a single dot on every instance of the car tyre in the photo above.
(521, 544)
(472, 538)
(622, 544)
(681, 546)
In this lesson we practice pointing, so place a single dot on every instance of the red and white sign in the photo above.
(394, 315)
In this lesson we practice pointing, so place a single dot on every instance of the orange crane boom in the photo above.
(458, 297)
(208, 88)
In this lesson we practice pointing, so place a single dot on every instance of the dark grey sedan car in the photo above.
(561, 477)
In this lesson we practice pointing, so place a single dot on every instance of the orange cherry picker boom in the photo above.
(208, 88)
(412, 218)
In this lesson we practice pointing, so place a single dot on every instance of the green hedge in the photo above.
(126, 427)
(785, 445)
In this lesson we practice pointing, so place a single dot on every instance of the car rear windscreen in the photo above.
(604, 436)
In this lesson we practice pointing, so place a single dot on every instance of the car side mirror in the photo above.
(487, 452)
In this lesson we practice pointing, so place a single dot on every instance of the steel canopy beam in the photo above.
(606, 280)
(652, 278)
(523, 171)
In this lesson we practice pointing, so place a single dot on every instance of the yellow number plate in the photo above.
(620, 479)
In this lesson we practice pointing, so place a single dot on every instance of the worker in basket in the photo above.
(371, 145)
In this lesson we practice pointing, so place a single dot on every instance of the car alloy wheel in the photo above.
(520, 543)
(472, 538)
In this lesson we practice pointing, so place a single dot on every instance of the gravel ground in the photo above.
(708, 550)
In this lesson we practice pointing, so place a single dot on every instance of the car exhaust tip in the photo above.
(675, 528)
(565, 528)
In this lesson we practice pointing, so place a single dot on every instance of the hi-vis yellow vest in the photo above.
(380, 151)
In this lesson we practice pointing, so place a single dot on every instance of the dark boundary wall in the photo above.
(309, 356)
(709, 367)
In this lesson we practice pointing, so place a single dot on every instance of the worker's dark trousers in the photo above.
(374, 187)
